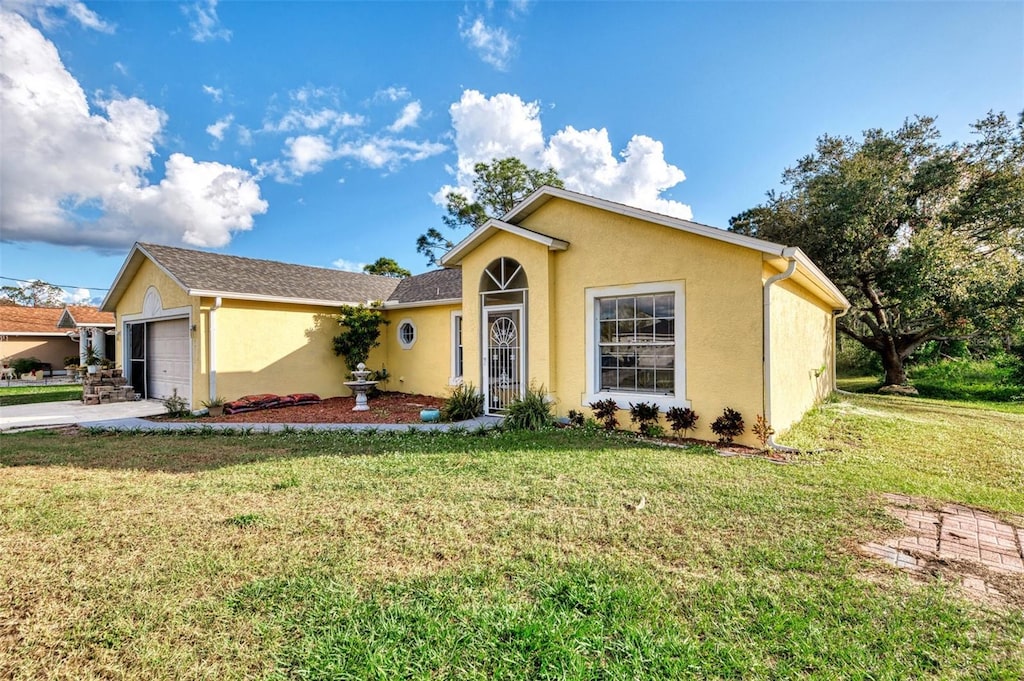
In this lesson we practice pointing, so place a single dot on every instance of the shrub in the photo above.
(763, 430)
(464, 403)
(71, 360)
(604, 411)
(645, 415)
(25, 365)
(176, 405)
(576, 419)
(681, 418)
(728, 425)
(530, 412)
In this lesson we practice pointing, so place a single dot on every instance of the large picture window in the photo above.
(636, 344)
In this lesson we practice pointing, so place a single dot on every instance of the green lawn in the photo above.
(511, 556)
(29, 394)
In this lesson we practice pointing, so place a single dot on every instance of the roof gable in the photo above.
(492, 227)
(74, 316)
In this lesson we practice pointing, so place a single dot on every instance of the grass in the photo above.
(30, 394)
(513, 556)
(965, 380)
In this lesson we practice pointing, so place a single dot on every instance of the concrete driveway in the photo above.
(45, 414)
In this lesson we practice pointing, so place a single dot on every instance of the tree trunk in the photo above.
(895, 374)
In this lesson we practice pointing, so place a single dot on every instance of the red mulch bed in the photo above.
(385, 408)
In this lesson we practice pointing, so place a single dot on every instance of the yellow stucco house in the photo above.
(589, 298)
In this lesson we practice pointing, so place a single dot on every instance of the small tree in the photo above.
(362, 331)
(645, 415)
(387, 267)
(35, 293)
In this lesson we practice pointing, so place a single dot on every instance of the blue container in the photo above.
(430, 415)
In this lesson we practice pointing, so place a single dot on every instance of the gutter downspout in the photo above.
(766, 343)
(213, 347)
(835, 335)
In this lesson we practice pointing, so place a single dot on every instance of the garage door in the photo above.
(167, 358)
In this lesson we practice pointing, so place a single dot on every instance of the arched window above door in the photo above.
(504, 274)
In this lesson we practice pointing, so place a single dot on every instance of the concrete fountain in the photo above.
(360, 386)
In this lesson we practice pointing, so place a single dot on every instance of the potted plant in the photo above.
(92, 359)
(214, 406)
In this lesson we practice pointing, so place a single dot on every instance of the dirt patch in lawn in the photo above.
(384, 408)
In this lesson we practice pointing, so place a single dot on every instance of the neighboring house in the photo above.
(586, 298)
(49, 333)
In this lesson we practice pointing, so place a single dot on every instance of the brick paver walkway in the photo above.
(955, 533)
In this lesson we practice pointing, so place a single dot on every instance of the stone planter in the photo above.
(215, 411)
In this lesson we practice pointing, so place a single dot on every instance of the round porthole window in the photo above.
(406, 334)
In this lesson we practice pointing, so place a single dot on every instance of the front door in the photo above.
(504, 366)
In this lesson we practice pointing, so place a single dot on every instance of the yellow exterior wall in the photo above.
(536, 262)
(172, 296)
(802, 352)
(276, 348)
(425, 368)
(722, 288)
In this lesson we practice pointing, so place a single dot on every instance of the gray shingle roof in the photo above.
(436, 285)
(204, 271)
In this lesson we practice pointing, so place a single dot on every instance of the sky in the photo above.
(328, 133)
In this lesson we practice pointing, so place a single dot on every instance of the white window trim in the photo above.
(593, 364)
(398, 333)
(456, 376)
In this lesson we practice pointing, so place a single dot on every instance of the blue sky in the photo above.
(323, 133)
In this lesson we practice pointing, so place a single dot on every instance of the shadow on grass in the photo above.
(207, 449)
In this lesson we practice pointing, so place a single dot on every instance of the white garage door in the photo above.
(167, 358)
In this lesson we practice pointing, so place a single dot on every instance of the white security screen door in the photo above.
(504, 366)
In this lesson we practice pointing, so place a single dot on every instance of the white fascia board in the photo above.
(319, 302)
(484, 231)
(388, 305)
(819, 278)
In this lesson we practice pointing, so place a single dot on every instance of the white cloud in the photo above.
(204, 22)
(216, 130)
(307, 153)
(389, 152)
(493, 45)
(348, 265)
(313, 109)
(87, 186)
(121, 68)
(80, 296)
(409, 117)
(215, 93)
(41, 10)
(504, 125)
(391, 94)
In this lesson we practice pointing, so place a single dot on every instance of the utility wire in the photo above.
(32, 281)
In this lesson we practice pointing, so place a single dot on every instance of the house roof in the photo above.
(201, 273)
(429, 287)
(809, 273)
(74, 316)
(30, 321)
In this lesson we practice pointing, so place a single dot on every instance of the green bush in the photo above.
(967, 379)
(176, 405)
(463, 404)
(530, 412)
(25, 365)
